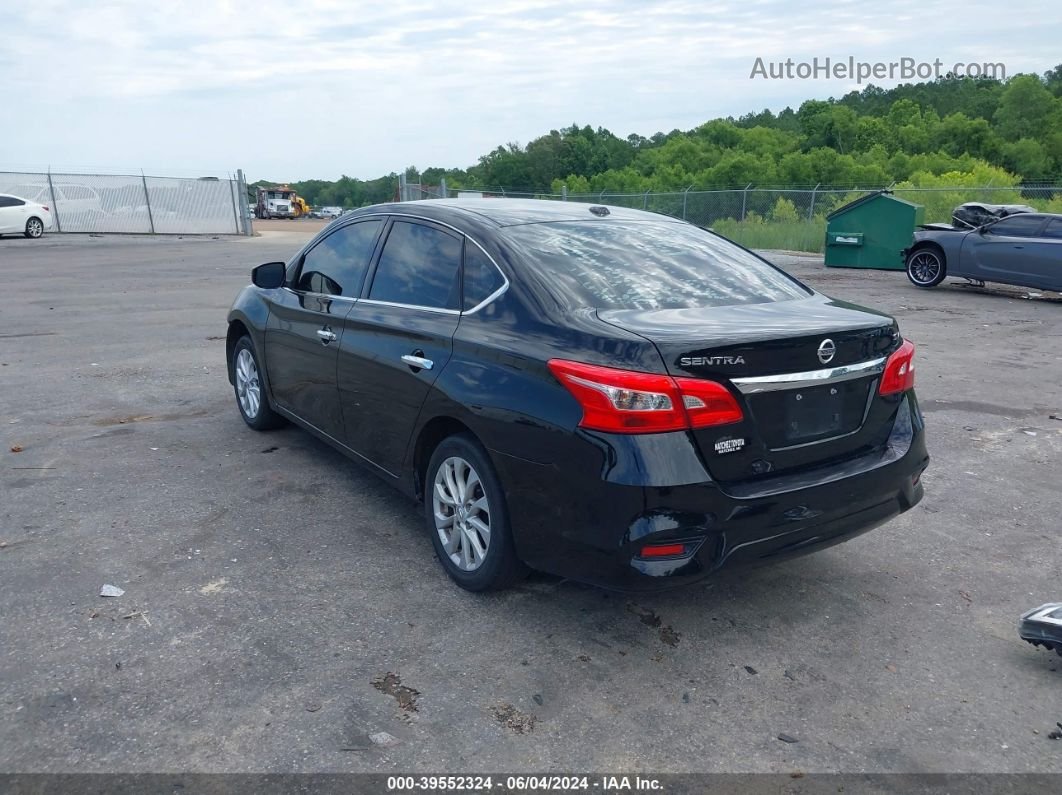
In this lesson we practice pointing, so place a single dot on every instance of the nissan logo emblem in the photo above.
(827, 350)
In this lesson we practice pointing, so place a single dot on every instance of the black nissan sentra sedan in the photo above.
(609, 395)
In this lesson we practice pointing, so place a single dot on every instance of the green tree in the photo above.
(1024, 108)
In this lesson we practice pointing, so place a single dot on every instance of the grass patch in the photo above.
(786, 235)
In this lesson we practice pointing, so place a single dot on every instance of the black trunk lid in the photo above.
(809, 421)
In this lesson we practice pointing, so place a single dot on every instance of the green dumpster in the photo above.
(871, 232)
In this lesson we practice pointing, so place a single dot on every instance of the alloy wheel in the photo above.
(34, 228)
(462, 513)
(924, 267)
(248, 388)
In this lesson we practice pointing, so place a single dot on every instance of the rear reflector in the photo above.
(662, 550)
(899, 372)
(625, 401)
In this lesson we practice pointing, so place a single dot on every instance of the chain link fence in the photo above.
(126, 203)
(791, 219)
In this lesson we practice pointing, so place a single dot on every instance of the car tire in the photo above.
(34, 228)
(926, 267)
(251, 397)
(467, 518)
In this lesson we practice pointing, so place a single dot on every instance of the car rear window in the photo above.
(629, 265)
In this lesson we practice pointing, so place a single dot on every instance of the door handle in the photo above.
(418, 362)
(326, 336)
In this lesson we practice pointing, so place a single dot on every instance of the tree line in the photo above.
(1007, 132)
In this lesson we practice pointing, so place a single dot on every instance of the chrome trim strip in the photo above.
(774, 383)
(438, 310)
(343, 299)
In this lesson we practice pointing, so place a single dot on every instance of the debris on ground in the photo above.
(537, 698)
(392, 685)
(512, 718)
(111, 590)
(786, 738)
(1056, 734)
(16, 448)
(383, 739)
(749, 669)
(138, 614)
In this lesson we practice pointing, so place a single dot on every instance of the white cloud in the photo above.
(322, 87)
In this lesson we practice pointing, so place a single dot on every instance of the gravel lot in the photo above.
(282, 605)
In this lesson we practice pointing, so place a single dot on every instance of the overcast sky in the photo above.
(303, 89)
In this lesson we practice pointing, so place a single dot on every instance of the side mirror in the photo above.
(269, 276)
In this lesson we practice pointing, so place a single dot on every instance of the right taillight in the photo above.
(626, 401)
(899, 373)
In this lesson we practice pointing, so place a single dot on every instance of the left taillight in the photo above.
(45, 208)
(899, 373)
(627, 401)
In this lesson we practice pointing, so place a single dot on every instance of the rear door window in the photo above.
(419, 266)
(631, 265)
(1054, 229)
(1017, 226)
(482, 277)
(337, 264)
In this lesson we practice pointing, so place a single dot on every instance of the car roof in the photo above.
(511, 212)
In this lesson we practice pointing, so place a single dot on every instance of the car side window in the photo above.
(1017, 226)
(337, 264)
(1054, 229)
(482, 278)
(419, 266)
(10, 201)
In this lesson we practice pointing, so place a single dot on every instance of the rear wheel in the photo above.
(925, 267)
(34, 228)
(250, 392)
(467, 518)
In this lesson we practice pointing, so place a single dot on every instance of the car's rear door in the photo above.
(12, 215)
(305, 324)
(1004, 251)
(397, 339)
(1048, 259)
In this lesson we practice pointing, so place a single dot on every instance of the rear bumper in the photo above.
(594, 530)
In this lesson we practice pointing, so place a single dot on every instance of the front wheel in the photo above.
(925, 267)
(34, 228)
(250, 392)
(467, 517)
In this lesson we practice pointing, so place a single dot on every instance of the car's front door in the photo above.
(305, 324)
(1004, 251)
(398, 338)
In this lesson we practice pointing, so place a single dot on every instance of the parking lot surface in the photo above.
(282, 607)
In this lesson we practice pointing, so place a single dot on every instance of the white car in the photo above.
(22, 217)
